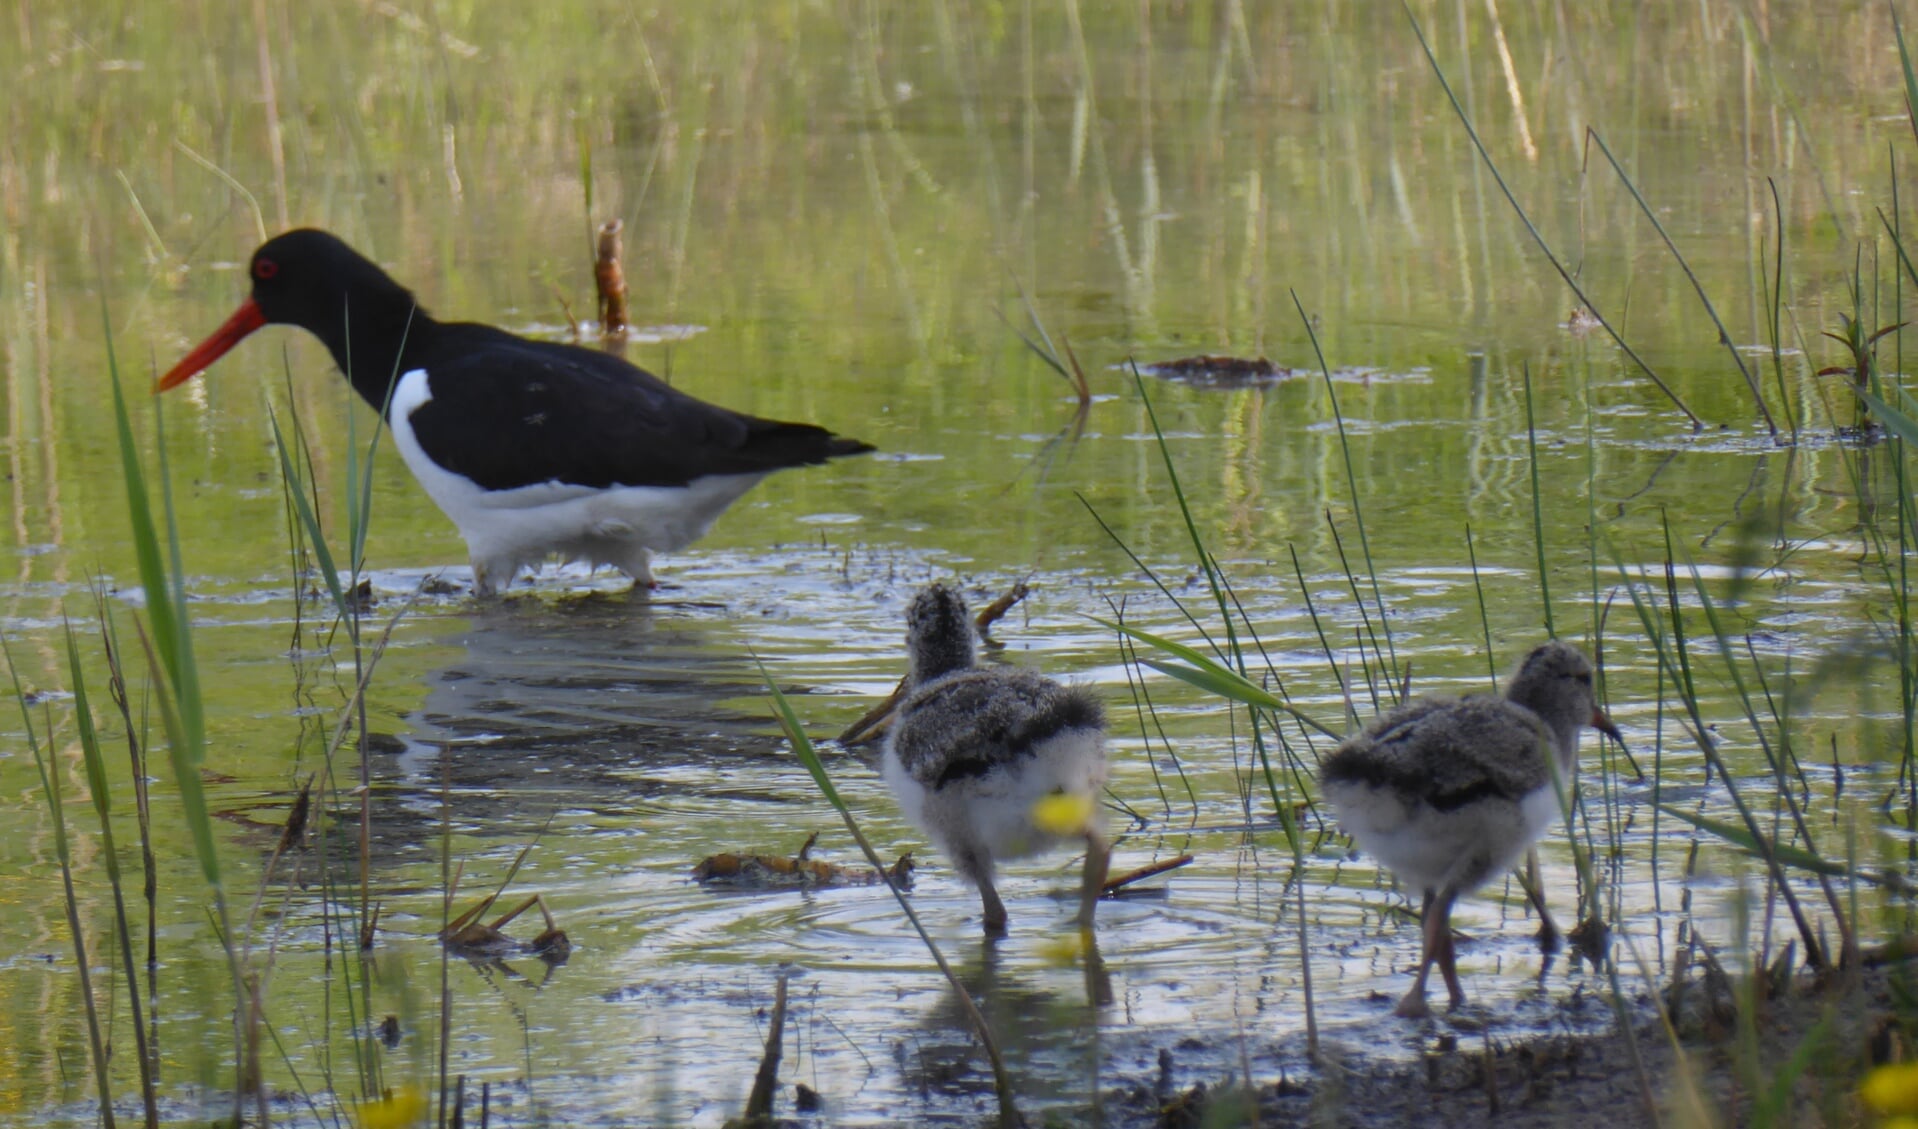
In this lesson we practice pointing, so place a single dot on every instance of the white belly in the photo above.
(506, 530)
(991, 816)
(1433, 850)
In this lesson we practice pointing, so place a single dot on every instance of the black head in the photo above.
(1555, 682)
(939, 633)
(307, 278)
(313, 280)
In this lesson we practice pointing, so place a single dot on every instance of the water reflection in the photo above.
(1048, 1029)
(594, 703)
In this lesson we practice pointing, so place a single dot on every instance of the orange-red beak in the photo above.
(1604, 725)
(245, 320)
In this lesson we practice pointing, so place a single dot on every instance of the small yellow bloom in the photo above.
(1892, 1089)
(1062, 814)
(1066, 948)
(403, 1108)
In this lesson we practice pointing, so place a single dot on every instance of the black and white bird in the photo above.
(973, 752)
(533, 448)
(1448, 793)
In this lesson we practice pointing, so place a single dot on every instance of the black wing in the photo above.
(509, 412)
(1448, 753)
(969, 724)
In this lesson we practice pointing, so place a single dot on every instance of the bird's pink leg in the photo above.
(1093, 880)
(1548, 934)
(1447, 956)
(1413, 1006)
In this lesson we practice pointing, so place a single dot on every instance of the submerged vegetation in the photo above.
(1700, 475)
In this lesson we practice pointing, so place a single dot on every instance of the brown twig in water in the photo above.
(873, 723)
(469, 933)
(1119, 881)
(294, 834)
(552, 943)
(996, 610)
(1080, 385)
(779, 870)
(292, 837)
(371, 929)
(611, 281)
(565, 307)
(759, 1104)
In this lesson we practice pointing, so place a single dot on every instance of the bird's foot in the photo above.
(1413, 1006)
(1591, 938)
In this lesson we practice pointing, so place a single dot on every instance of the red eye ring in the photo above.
(265, 268)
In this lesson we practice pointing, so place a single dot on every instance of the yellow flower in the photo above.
(403, 1108)
(1892, 1089)
(1062, 814)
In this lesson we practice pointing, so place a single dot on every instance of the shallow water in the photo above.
(840, 198)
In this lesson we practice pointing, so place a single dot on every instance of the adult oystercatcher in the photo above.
(1450, 792)
(533, 448)
(974, 752)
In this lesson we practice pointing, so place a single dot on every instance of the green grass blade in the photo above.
(96, 769)
(809, 756)
(1775, 304)
(360, 501)
(50, 788)
(316, 538)
(1538, 510)
(1325, 643)
(1790, 855)
(95, 763)
(1899, 423)
(1724, 335)
(1532, 229)
(1904, 62)
(1358, 515)
(1484, 620)
(1209, 675)
(1673, 657)
(170, 637)
(1774, 757)
(1149, 574)
(1185, 511)
(187, 776)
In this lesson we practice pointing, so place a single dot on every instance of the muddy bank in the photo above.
(1812, 1044)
